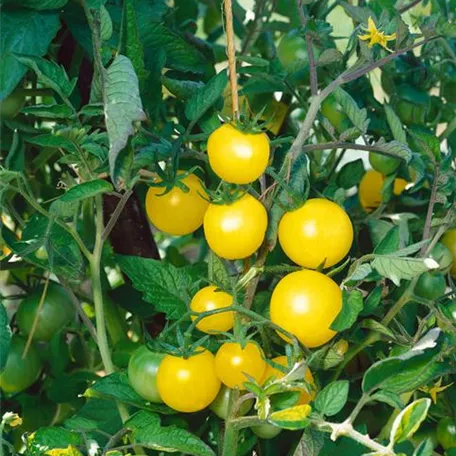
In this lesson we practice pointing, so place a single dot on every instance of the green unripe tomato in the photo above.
(221, 404)
(411, 113)
(266, 431)
(446, 433)
(449, 309)
(19, 373)
(425, 432)
(337, 118)
(142, 373)
(55, 313)
(443, 256)
(10, 107)
(430, 285)
(383, 164)
(292, 50)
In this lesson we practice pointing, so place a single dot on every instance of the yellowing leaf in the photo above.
(291, 418)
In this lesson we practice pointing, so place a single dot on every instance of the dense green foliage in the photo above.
(303, 305)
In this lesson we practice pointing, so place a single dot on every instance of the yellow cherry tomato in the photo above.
(188, 385)
(319, 231)
(271, 371)
(235, 231)
(238, 157)
(370, 189)
(232, 362)
(305, 303)
(399, 186)
(177, 212)
(211, 298)
(449, 241)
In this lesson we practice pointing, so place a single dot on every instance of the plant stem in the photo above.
(95, 271)
(430, 211)
(231, 57)
(312, 63)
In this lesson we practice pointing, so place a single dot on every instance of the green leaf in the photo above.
(52, 111)
(409, 420)
(395, 124)
(86, 190)
(397, 268)
(377, 327)
(311, 443)
(163, 285)
(50, 74)
(131, 45)
(401, 371)
(425, 448)
(15, 159)
(357, 116)
(180, 86)
(106, 23)
(91, 110)
(65, 387)
(351, 174)
(292, 418)
(53, 140)
(332, 398)
(372, 301)
(388, 397)
(218, 273)
(37, 4)
(23, 31)
(205, 97)
(180, 55)
(352, 305)
(122, 106)
(427, 143)
(5, 336)
(59, 355)
(329, 56)
(117, 387)
(149, 433)
(50, 438)
(357, 13)
(390, 243)
(360, 272)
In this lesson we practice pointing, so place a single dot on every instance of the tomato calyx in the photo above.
(226, 194)
(170, 177)
(246, 123)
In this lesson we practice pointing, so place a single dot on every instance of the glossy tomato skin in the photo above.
(266, 431)
(188, 385)
(212, 298)
(304, 397)
(430, 285)
(232, 361)
(305, 303)
(383, 164)
(142, 373)
(370, 189)
(318, 232)
(337, 118)
(55, 313)
(238, 157)
(222, 401)
(442, 255)
(177, 212)
(449, 241)
(18, 374)
(446, 433)
(235, 231)
(10, 106)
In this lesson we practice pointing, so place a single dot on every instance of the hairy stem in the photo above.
(231, 56)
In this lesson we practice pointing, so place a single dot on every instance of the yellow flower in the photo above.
(12, 419)
(374, 36)
(435, 389)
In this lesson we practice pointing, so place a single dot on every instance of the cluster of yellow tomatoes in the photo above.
(317, 235)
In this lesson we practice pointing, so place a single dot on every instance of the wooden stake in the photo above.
(231, 51)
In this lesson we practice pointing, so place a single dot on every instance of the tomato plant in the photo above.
(446, 433)
(228, 227)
